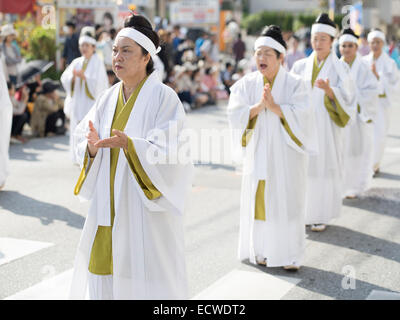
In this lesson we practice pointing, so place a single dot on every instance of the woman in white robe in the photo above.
(140, 203)
(359, 134)
(271, 124)
(333, 99)
(385, 70)
(6, 113)
(84, 80)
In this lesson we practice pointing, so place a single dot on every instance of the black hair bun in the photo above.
(137, 21)
(141, 24)
(274, 32)
(324, 19)
(349, 31)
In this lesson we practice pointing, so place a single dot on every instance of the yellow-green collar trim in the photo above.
(270, 83)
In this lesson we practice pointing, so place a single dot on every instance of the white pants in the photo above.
(100, 287)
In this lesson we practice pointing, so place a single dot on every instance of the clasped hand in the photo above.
(79, 73)
(119, 140)
(267, 100)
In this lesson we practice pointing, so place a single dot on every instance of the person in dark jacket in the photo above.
(71, 45)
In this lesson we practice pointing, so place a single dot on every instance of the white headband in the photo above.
(347, 38)
(376, 34)
(140, 39)
(87, 39)
(269, 42)
(321, 27)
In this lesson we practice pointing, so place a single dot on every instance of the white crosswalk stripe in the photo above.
(383, 295)
(236, 285)
(247, 285)
(55, 288)
(12, 249)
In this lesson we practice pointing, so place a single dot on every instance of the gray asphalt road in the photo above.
(38, 204)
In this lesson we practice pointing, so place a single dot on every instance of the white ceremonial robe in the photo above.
(6, 115)
(325, 170)
(389, 88)
(77, 103)
(359, 134)
(147, 235)
(272, 155)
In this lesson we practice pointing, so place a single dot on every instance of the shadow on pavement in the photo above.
(323, 282)
(347, 238)
(26, 151)
(378, 200)
(390, 176)
(47, 213)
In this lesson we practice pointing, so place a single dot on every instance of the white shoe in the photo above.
(318, 227)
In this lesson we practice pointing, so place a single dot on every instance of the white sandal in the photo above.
(261, 261)
(318, 227)
(292, 267)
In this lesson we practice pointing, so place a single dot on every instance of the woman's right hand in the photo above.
(92, 138)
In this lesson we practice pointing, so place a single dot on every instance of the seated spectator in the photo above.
(48, 111)
(183, 83)
(227, 77)
(170, 81)
(19, 115)
(35, 86)
(200, 94)
(210, 83)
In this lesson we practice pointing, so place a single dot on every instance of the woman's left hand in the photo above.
(324, 85)
(119, 140)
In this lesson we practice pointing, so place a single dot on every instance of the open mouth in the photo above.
(263, 66)
(118, 67)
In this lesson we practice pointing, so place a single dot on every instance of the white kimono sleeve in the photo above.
(158, 154)
(96, 78)
(67, 83)
(343, 108)
(241, 127)
(299, 121)
(87, 180)
(389, 80)
(367, 93)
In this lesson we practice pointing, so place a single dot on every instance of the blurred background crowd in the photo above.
(199, 63)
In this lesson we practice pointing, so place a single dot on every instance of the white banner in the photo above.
(194, 12)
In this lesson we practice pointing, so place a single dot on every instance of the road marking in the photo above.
(248, 285)
(236, 285)
(12, 249)
(383, 295)
(55, 288)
